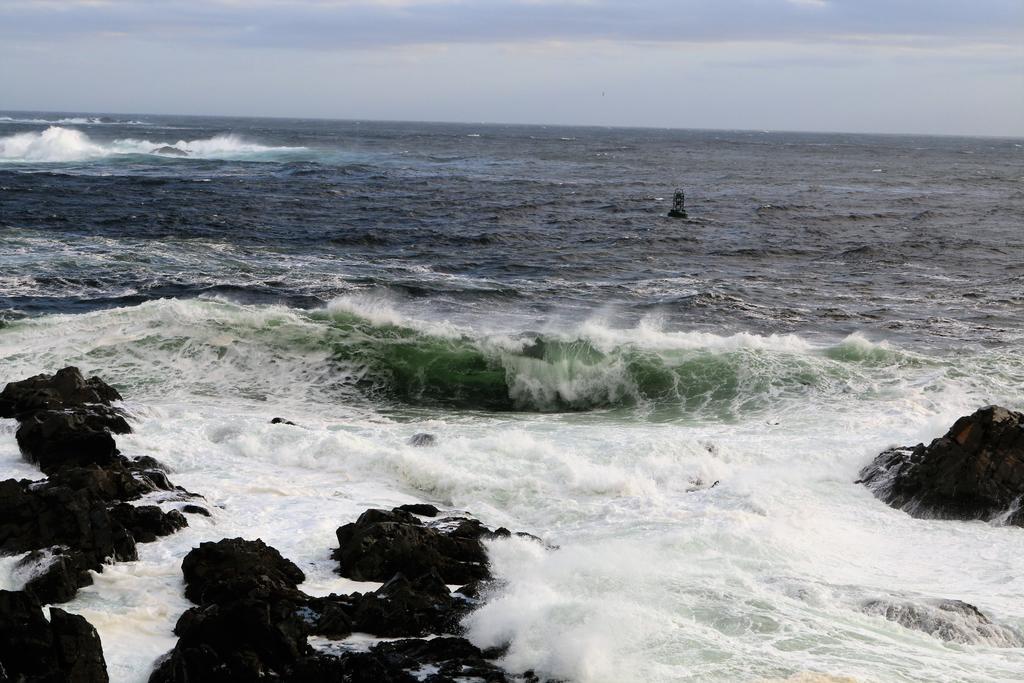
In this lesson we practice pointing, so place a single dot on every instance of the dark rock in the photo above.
(951, 620)
(67, 648)
(352, 667)
(147, 522)
(109, 484)
(250, 623)
(77, 647)
(195, 510)
(452, 656)
(66, 388)
(242, 640)
(34, 516)
(975, 471)
(53, 577)
(282, 421)
(403, 661)
(399, 608)
(168, 151)
(146, 462)
(60, 439)
(421, 509)
(381, 544)
(26, 641)
(234, 568)
(423, 439)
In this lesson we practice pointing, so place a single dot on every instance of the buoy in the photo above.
(678, 205)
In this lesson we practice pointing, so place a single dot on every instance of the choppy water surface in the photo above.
(588, 365)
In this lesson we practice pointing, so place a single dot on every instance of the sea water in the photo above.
(679, 408)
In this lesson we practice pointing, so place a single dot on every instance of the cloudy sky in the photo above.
(923, 66)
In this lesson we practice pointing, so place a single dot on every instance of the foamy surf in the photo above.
(58, 144)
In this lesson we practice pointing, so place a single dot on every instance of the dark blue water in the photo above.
(911, 238)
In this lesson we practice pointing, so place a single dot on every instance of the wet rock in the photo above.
(421, 509)
(252, 622)
(381, 544)
(437, 660)
(195, 510)
(974, 471)
(114, 483)
(66, 648)
(168, 151)
(146, 463)
(41, 515)
(282, 421)
(51, 575)
(423, 439)
(399, 608)
(55, 439)
(234, 568)
(66, 388)
(242, 640)
(951, 620)
(77, 647)
(249, 623)
(147, 522)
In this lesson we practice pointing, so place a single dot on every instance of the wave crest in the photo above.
(58, 144)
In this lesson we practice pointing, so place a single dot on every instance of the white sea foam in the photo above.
(75, 120)
(60, 144)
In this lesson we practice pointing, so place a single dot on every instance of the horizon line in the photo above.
(509, 123)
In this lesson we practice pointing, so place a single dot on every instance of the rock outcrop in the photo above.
(78, 517)
(169, 151)
(65, 648)
(950, 620)
(251, 621)
(974, 471)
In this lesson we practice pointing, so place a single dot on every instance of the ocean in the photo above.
(681, 406)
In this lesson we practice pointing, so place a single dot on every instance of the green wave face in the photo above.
(211, 348)
(545, 374)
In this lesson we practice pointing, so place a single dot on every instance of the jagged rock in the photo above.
(248, 625)
(399, 608)
(243, 640)
(353, 667)
(55, 439)
(77, 647)
(951, 620)
(34, 516)
(147, 522)
(195, 510)
(234, 568)
(114, 483)
(146, 463)
(67, 648)
(974, 471)
(252, 622)
(404, 661)
(169, 151)
(66, 388)
(423, 439)
(381, 544)
(421, 509)
(52, 575)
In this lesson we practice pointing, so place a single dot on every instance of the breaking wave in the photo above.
(59, 144)
(343, 352)
(76, 120)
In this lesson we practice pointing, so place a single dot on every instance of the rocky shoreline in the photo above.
(251, 620)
